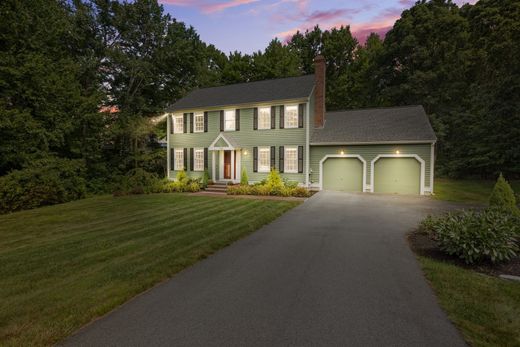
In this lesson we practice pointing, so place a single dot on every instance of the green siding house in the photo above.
(283, 124)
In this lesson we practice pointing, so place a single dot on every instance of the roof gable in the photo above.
(251, 92)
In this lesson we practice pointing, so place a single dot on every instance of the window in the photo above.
(179, 159)
(264, 118)
(264, 159)
(291, 160)
(198, 159)
(229, 120)
(178, 124)
(291, 116)
(198, 119)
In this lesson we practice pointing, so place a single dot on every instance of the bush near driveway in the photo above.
(273, 185)
(503, 198)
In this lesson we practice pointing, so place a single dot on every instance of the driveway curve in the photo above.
(334, 271)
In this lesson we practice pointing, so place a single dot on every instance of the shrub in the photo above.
(44, 182)
(261, 190)
(274, 182)
(244, 180)
(205, 179)
(300, 192)
(140, 181)
(182, 177)
(503, 198)
(476, 235)
(239, 190)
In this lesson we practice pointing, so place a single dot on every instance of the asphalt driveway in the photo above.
(334, 271)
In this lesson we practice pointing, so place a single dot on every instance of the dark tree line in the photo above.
(61, 61)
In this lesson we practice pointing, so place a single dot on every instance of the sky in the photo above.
(248, 25)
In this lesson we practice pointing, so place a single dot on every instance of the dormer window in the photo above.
(291, 116)
(229, 120)
(264, 118)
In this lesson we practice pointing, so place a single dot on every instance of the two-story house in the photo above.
(283, 124)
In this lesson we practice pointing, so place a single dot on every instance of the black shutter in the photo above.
(273, 117)
(205, 158)
(282, 152)
(222, 120)
(300, 159)
(191, 159)
(206, 121)
(237, 119)
(171, 123)
(255, 118)
(185, 123)
(191, 122)
(255, 159)
(300, 115)
(273, 157)
(282, 117)
(185, 159)
(172, 159)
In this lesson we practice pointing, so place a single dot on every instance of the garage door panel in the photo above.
(343, 174)
(397, 176)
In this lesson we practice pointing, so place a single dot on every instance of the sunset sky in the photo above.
(248, 25)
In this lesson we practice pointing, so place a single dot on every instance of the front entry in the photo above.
(227, 165)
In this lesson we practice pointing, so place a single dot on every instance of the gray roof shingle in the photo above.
(249, 92)
(393, 124)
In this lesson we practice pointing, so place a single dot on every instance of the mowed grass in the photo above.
(471, 191)
(62, 266)
(485, 309)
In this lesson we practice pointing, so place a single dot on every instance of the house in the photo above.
(283, 124)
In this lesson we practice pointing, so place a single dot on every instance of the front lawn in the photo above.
(471, 191)
(485, 309)
(61, 266)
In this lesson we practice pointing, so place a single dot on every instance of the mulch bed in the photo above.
(422, 245)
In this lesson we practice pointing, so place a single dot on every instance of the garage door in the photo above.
(397, 175)
(343, 174)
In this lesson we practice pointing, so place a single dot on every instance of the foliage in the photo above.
(475, 236)
(273, 186)
(274, 181)
(503, 198)
(244, 180)
(44, 182)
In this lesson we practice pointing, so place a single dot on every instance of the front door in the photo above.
(227, 165)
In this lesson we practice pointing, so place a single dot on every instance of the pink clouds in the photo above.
(209, 6)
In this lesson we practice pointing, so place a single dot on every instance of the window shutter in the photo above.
(206, 121)
(255, 118)
(222, 120)
(205, 158)
(282, 152)
(191, 159)
(273, 157)
(171, 123)
(185, 123)
(282, 117)
(300, 159)
(191, 122)
(185, 159)
(172, 159)
(255, 159)
(273, 117)
(237, 119)
(300, 115)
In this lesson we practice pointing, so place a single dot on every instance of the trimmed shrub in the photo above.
(244, 180)
(300, 192)
(239, 190)
(45, 182)
(476, 235)
(205, 179)
(503, 198)
(274, 182)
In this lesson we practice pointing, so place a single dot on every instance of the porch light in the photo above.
(245, 152)
(342, 152)
(397, 152)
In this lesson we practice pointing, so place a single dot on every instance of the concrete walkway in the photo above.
(335, 271)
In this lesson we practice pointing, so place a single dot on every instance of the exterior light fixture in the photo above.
(397, 152)
(245, 152)
(342, 152)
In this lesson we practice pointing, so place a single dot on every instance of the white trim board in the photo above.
(221, 136)
(415, 156)
(355, 156)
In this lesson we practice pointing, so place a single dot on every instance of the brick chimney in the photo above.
(319, 91)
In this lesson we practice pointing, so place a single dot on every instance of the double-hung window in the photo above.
(291, 116)
(178, 124)
(264, 118)
(264, 159)
(179, 159)
(198, 159)
(291, 160)
(229, 120)
(198, 120)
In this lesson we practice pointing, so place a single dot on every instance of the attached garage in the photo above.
(343, 174)
(397, 175)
